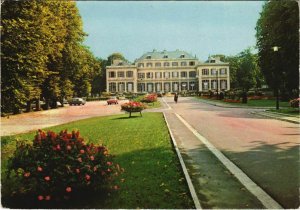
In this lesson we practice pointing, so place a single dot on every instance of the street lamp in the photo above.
(217, 83)
(276, 49)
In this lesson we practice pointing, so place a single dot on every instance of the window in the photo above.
(150, 87)
(112, 87)
(174, 74)
(174, 63)
(214, 84)
(183, 63)
(184, 86)
(192, 74)
(129, 86)
(157, 64)
(165, 56)
(149, 64)
(166, 64)
(223, 71)
(121, 74)
(167, 75)
(212, 61)
(129, 73)
(141, 87)
(213, 71)
(141, 75)
(182, 56)
(205, 71)
(158, 87)
(192, 86)
(183, 74)
(175, 86)
(149, 75)
(205, 84)
(140, 65)
(223, 84)
(121, 86)
(112, 74)
(167, 87)
(192, 63)
(148, 57)
(157, 74)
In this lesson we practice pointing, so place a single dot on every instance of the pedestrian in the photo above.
(176, 98)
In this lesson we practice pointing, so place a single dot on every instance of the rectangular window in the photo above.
(223, 71)
(205, 84)
(205, 71)
(192, 63)
(175, 86)
(223, 84)
(141, 87)
(192, 86)
(157, 74)
(166, 64)
(183, 74)
(157, 64)
(214, 84)
(129, 86)
(149, 87)
(112, 87)
(213, 71)
(121, 86)
(121, 74)
(167, 87)
(174, 74)
(129, 74)
(183, 63)
(158, 87)
(167, 75)
(149, 75)
(174, 63)
(140, 65)
(112, 74)
(149, 64)
(192, 74)
(141, 75)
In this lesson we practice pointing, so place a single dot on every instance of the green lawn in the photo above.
(153, 176)
(252, 103)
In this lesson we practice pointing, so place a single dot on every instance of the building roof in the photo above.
(214, 60)
(177, 54)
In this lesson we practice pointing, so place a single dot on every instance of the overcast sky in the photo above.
(200, 28)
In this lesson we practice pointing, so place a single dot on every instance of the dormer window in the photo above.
(165, 56)
(182, 56)
(148, 57)
(212, 61)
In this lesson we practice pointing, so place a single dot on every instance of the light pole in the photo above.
(217, 84)
(276, 49)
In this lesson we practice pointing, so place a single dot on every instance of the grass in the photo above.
(252, 103)
(288, 111)
(153, 176)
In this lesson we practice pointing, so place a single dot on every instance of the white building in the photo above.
(168, 71)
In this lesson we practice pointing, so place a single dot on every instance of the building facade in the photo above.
(168, 71)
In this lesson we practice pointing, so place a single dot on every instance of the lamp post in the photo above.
(276, 49)
(217, 83)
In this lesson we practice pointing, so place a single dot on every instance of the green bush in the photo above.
(57, 166)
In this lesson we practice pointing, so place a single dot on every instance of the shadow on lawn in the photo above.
(274, 167)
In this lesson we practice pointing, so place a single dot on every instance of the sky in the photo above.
(201, 28)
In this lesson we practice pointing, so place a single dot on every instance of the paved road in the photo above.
(267, 150)
(36, 120)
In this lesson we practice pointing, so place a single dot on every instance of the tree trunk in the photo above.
(28, 106)
(244, 97)
(37, 105)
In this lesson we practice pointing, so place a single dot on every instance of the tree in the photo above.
(278, 25)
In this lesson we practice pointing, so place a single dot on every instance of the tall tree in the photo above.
(278, 25)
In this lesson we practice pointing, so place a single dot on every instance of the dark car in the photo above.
(77, 101)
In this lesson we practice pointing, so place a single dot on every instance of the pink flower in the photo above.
(58, 147)
(81, 151)
(87, 177)
(95, 168)
(79, 159)
(27, 174)
(109, 163)
(39, 168)
(47, 178)
(116, 187)
(40, 197)
(68, 189)
(69, 147)
(92, 158)
(108, 170)
(47, 197)
(77, 171)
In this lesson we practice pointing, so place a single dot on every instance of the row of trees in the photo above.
(43, 55)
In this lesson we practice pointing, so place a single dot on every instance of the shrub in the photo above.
(57, 166)
(133, 106)
(295, 103)
(149, 98)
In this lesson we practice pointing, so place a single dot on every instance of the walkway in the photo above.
(259, 146)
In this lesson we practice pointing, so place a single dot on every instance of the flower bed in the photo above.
(295, 103)
(133, 106)
(231, 101)
(151, 98)
(57, 166)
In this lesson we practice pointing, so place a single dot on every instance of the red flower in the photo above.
(109, 163)
(47, 178)
(92, 157)
(77, 171)
(58, 147)
(27, 174)
(40, 197)
(87, 177)
(81, 151)
(47, 197)
(39, 168)
(68, 189)
(108, 170)
(116, 187)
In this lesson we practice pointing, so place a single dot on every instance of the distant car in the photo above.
(77, 101)
(112, 101)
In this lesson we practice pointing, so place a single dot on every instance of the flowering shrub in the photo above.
(149, 98)
(56, 166)
(231, 101)
(295, 103)
(133, 106)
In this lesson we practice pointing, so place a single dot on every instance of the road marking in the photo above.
(186, 174)
(166, 103)
(261, 195)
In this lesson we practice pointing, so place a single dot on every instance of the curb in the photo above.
(186, 174)
(275, 117)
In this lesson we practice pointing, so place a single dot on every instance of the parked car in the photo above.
(77, 101)
(113, 100)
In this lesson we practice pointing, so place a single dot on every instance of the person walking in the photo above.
(176, 98)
